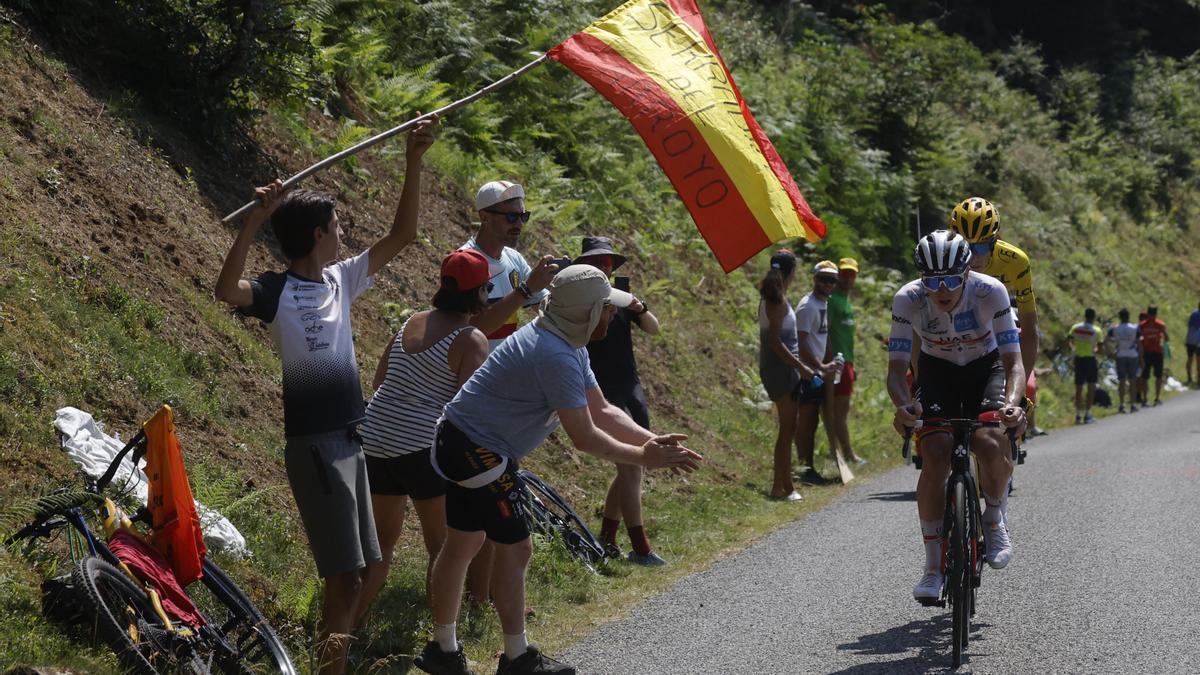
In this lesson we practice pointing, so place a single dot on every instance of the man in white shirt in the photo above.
(812, 332)
(1129, 355)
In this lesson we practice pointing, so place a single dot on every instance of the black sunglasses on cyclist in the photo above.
(983, 248)
(950, 281)
(512, 216)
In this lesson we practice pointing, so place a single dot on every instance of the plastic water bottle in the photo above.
(841, 364)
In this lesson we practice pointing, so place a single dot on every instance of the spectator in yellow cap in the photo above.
(841, 341)
(812, 333)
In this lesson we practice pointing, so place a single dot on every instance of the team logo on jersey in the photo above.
(514, 279)
(1008, 337)
(899, 345)
(965, 321)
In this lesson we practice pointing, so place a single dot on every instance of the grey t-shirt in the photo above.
(509, 405)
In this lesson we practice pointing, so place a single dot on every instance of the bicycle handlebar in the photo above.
(965, 424)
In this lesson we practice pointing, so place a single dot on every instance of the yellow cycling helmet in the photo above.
(976, 220)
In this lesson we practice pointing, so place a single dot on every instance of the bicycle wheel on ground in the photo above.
(120, 615)
(958, 570)
(551, 515)
(250, 644)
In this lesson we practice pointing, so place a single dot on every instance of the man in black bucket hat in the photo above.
(616, 372)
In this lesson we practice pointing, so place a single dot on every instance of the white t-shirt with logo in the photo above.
(507, 272)
(309, 323)
(812, 317)
(1126, 335)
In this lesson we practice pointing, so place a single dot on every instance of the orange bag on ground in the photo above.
(175, 526)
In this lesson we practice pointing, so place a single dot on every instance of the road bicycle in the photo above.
(222, 631)
(547, 513)
(964, 547)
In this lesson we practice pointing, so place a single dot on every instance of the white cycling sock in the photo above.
(994, 512)
(515, 645)
(445, 636)
(931, 532)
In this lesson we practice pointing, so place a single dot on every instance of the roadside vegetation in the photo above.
(128, 129)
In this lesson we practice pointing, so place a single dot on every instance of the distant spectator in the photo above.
(783, 374)
(502, 217)
(1128, 352)
(1085, 337)
(841, 341)
(616, 372)
(812, 332)
(1140, 385)
(307, 313)
(1154, 336)
(421, 370)
(539, 378)
(1193, 347)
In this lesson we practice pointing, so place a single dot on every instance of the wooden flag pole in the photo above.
(383, 136)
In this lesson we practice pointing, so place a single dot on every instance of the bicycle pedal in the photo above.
(932, 602)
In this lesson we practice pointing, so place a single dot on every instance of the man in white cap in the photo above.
(502, 216)
(812, 331)
(538, 378)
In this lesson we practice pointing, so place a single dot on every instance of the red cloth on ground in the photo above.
(151, 566)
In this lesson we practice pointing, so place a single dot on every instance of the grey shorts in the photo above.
(328, 475)
(1127, 367)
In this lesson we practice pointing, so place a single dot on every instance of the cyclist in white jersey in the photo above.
(970, 362)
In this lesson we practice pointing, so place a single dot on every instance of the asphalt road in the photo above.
(1105, 577)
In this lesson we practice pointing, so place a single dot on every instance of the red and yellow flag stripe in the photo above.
(656, 62)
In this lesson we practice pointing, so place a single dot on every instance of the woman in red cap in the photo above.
(420, 371)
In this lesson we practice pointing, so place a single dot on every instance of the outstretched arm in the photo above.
(404, 225)
(231, 288)
(658, 452)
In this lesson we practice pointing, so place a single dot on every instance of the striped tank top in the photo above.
(401, 415)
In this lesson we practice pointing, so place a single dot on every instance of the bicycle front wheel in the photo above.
(120, 615)
(959, 569)
(550, 513)
(251, 645)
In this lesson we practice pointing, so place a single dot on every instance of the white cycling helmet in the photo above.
(942, 252)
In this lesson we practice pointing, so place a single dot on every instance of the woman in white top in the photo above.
(420, 371)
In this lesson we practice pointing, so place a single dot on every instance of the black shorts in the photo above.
(809, 393)
(1086, 370)
(634, 403)
(1154, 362)
(1193, 350)
(946, 390)
(497, 507)
(410, 474)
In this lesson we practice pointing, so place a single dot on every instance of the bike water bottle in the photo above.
(841, 364)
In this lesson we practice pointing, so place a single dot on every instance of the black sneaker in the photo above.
(811, 477)
(532, 661)
(437, 662)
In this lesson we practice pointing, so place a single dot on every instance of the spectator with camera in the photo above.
(616, 372)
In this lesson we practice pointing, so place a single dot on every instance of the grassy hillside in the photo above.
(110, 242)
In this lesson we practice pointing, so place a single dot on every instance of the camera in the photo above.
(562, 263)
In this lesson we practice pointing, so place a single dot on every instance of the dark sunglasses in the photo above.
(950, 281)
(826, 279)
(512, 216)
(490, 286)
(983, 248)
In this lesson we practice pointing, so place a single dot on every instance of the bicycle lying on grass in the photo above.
(550, 515)
(119, 590)
(963, 542)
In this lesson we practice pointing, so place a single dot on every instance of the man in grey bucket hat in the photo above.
(538, 378)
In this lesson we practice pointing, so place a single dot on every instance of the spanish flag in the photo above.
(657, 63)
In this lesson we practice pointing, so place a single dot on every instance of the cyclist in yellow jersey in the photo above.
(978, 221)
